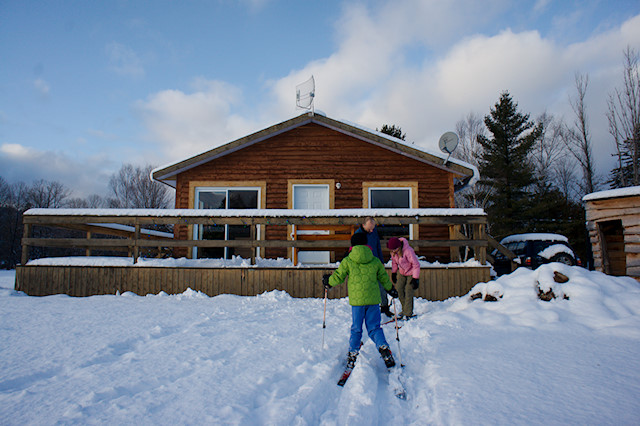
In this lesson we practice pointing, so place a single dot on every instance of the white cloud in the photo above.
(417, 64)
(85, 176)
(189, 123)
(124, 61)
(358, 83)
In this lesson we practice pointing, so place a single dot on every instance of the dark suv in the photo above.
(533, 250)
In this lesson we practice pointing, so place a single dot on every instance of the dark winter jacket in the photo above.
(373, 241)
(364, 271)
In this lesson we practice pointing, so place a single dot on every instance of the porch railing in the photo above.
(104, 221)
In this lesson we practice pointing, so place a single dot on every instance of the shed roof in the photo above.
(466, 172)
(612, 193)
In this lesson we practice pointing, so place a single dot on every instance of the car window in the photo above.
(538, 246)
(517, 247)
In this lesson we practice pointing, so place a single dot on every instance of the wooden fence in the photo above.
(435, 283)
(438, 282)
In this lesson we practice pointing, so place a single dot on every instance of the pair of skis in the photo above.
(394, 380)
(395, 372)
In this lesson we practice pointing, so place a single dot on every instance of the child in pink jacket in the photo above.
(405, 261)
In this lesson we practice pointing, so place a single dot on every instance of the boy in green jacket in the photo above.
(364, 271)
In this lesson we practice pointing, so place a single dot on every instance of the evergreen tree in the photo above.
(505, 166)
(394, 131)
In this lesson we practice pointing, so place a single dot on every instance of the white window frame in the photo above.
(196, 202)
(317, 232)
(388, 188)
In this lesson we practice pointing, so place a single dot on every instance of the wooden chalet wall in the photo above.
(312, 153)
(614, 231)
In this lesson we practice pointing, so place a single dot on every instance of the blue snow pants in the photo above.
(370, 315)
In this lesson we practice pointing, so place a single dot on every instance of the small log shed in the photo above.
(613, 222)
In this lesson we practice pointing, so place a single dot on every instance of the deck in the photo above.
(436, 283)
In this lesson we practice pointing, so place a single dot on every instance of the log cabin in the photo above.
(312, 161)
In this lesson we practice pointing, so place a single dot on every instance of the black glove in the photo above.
(393, 292)
(415, 283)
(394, 277)
(325, 281)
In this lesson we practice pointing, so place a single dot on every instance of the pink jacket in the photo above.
(407, 264)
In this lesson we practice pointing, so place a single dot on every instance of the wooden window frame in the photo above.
(413, 196)
(193, 185)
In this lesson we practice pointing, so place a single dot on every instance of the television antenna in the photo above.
(305, 93)
(448, 143)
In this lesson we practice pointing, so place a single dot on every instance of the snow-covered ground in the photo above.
(192, 359)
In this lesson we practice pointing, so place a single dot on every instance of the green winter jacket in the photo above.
(364, 271)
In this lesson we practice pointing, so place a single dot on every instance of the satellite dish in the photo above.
(305, 93)
(448, 142)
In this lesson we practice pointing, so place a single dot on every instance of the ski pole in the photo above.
(395, 315)
(324, 316)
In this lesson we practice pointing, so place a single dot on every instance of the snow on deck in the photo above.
(257, 212)
(235, 262)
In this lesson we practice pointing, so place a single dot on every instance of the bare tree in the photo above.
(47, 194)
(5, 193)
(565, 178)
(468, 130)
(577, 138)
(95, 201)
(469, 150)
(76, 203)
(547, 150)
(624, 123)
(13, 202)
(132, 187)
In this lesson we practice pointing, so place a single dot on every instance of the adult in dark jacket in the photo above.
(369, 228)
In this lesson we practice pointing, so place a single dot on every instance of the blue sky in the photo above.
(88, 86)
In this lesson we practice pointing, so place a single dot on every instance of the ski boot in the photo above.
(351, 359)
(385, 310)
(385, 353)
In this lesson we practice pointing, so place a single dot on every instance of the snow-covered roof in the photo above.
(612, 193)
(534, 237)
(167, 173)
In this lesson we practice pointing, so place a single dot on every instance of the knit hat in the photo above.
(394, 243)
(359, 239)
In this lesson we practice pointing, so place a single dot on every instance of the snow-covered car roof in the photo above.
(534, 237)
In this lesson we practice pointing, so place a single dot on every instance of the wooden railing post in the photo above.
(454, 234)
(294, 251)
(26, 233)
(87, 251)
(136, 249)
(480, 234)
(252, 237)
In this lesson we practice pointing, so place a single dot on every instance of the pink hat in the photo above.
(394, 243)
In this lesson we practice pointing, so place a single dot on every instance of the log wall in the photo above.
(314, 152)
(435, 283)
(620, 255)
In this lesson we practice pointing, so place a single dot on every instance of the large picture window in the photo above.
(224, 198)
(391, 198)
